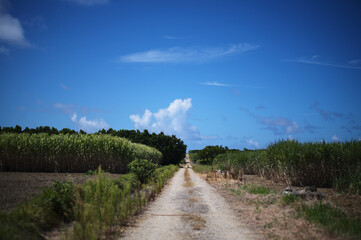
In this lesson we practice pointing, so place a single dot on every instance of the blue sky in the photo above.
(234, 73)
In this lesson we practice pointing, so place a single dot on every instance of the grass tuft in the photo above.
(255, 189)
(334, 219)
(201, 168)
(289, 199)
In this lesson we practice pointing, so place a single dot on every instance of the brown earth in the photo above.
(17, 187)
(267, 216)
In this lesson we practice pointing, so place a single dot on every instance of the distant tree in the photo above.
(67, 131)
(54, 130)
(172, 148)
(207, 154)
(17, 129)
(82, 132)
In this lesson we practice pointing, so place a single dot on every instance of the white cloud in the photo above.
(4, 50)
(335, 138)
(178, 54)
(171, 120)
(251, 143)
(88, 2)
(89, 125)
(142, 122)
(11, 30)
(214, 83)
(313, 60)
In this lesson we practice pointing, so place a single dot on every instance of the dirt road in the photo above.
(188, 208)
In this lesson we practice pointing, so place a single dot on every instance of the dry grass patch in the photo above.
(196, 221)
(187, 178)
(193, 199)
(266, 214)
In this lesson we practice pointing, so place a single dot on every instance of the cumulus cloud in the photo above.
(88, 2)
(335, 138)
(170, 120)
(89, 125)
(82, 123)
(252, 144)
(142, 122)
(179, 54)
(11, 30)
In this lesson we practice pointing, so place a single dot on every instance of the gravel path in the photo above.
(189, 209)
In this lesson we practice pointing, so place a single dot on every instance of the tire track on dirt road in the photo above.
(188, 208)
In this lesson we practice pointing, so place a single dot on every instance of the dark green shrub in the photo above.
(90, 173)
(127, 182)
(62, 198)
(143, 169)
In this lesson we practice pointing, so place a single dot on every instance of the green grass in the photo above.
(256, 189)
(333, 219)
(289, 199)
(202, 168)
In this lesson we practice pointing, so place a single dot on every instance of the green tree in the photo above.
(207, 154)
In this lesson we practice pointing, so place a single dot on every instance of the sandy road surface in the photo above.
(188, 211)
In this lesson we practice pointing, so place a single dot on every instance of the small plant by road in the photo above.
(256, 189)
(143, 169)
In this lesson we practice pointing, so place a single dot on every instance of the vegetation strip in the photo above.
(97, 208)
(322, 164)
(172, 148)
(334, 219)
(70, 153)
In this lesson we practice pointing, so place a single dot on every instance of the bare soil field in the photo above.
(17, 187)
(267, 216)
